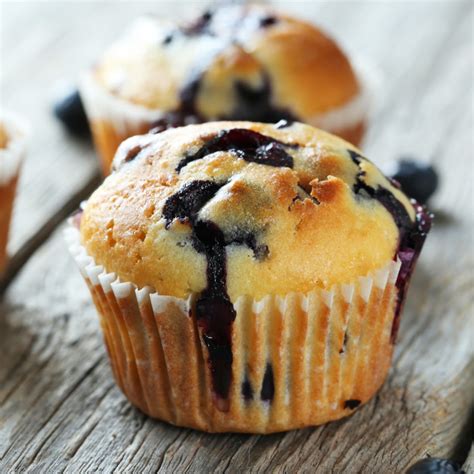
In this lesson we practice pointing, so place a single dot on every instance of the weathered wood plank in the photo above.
(60, 410)
(468, 466)
(57, 166)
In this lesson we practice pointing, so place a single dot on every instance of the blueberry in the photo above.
(417, 179)
(435, 466)
(352, 404)
(268, 20)
(168, 38)
(70, 111)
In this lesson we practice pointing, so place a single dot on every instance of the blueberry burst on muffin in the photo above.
(249, 277)
(232, 63)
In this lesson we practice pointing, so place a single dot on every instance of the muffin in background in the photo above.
(248, 277)
(12, 150)
(232, 63)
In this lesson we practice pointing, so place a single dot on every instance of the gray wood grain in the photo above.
(468, 465)
(59, 408)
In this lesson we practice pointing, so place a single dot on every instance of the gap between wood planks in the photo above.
(28, 249)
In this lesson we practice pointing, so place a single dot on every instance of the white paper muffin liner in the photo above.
(360, 108)
(111, 119)
(328, 351)
(101, 104)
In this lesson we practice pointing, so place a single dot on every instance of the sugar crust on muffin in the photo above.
(302, 222)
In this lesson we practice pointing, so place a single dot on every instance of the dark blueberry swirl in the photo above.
(412, 235)
(252, 103)
(215, 312)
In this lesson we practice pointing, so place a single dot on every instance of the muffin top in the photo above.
(232, 63)
(245, 209)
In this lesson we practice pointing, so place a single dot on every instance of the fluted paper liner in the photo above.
(328, 351)
(114, 119)
(10, 160)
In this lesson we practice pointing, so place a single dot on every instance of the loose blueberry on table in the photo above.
(69, 109)
(435, 466)
(417, 179)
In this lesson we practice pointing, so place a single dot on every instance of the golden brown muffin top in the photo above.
(261, 209)
(234, 62)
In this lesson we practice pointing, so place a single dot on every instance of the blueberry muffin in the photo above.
(232, 63)
(12, 147)
(249, 277)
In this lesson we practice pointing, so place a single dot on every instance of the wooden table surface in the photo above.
(59, 407)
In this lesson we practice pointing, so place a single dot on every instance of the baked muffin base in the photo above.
(107, 138)
(7, 196)
(298, 360)
(11, 156)
(353, 134)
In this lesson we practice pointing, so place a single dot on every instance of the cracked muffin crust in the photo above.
(286, 200)
(232, 63)
(226, 212)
